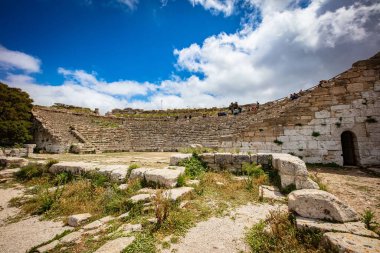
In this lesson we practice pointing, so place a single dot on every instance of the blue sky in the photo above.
(186, 53)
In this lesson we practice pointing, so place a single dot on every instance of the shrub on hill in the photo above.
(15, 116)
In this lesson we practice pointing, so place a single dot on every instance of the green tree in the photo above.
(15, 116)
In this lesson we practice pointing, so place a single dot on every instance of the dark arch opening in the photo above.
(348, 140)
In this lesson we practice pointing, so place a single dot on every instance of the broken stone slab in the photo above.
(124, 215)
(139, 173)
(177, 193)
(141, 198)
(240, 158)
(117, 173)
(319, 204)
(48, 247)
(128, 228)
(163, 177)
(147, 190)
(78, 219)
(8, 173)
(305, 183)
(177, 158)
(357, 228)
(116, 246)
(93, 225)
(345, 242)
(179, 168)
(270, 192)
(72, 167)
(289, 165)
(71, 238)
(13, 162)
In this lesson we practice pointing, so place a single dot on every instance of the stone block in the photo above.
(177, 193)
(345, 242)
(304, 182)
(319, 204)
(322, 114)
(265, 159)
(253, 158)
(78, 219)
(223, 160)
(139, 173)
(163, 177)
(145, 197)
(72, 167)
(116, 245)
(357, 228)
(71, 238)
(13, 162)
(270, 192)
(208, 158)
(177, 158)
(287, 180)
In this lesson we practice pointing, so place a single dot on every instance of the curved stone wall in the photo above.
(309, 127)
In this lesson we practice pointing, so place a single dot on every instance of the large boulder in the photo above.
(345, 242)
(163, 177)
(319, 204)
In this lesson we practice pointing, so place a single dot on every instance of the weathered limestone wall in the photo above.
(309, 127)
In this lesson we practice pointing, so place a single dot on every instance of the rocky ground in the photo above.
(359, 188)
(222, 233)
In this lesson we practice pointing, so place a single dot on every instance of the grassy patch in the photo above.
(144, 242)
(279, 234)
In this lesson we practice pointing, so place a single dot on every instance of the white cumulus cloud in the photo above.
(225, 6)
(17, 60)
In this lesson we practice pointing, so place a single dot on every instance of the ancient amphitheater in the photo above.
(333, 122)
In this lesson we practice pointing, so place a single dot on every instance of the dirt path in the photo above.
(359, 189)
(224, 234)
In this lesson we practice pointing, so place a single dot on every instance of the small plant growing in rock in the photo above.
(278, 142)
(261, 130)
(338, 124)
(369, 119)
(194, 166)
(132, 167)
(368, 219)
(255, 175)
(51, 162)
(181, 180)
(162, 205)
(298, 124)
(315, 134)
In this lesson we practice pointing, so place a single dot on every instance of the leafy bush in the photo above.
(132, 167)
(181, 180)
(194, 166)
(30, 171)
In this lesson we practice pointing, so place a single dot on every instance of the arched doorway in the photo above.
(348, 140)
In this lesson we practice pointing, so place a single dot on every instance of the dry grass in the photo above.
(278, 234)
